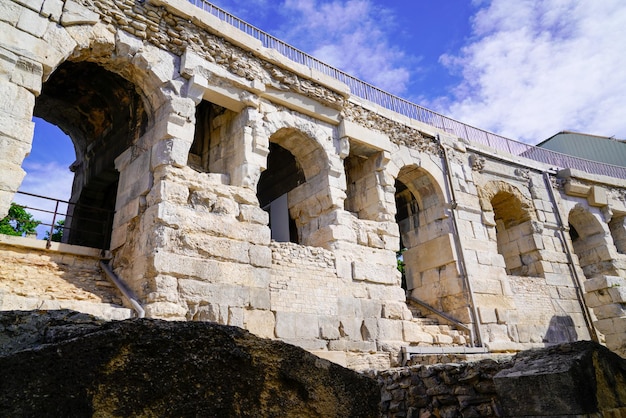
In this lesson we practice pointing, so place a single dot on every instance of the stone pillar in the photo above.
(249, 149)
(149, 197)
(606, 295)
(18, 89)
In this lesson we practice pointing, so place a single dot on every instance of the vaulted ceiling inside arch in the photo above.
(98, 109)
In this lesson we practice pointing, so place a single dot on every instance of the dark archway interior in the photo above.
(103, 115)
(282, 175)
(203, 145)
(407, 220)
(406, 211)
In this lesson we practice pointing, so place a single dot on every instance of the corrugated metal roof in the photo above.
(590, 147)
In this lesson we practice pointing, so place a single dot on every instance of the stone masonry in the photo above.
(253, 191)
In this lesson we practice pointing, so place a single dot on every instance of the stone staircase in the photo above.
(34, 278)
(443, 342)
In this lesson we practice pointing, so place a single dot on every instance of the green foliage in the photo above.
(401, 266)
(57, 234)
(18, 222)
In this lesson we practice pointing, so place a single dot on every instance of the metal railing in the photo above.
(404, 107)
(82, 224)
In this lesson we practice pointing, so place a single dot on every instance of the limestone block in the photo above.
(31, 22)
(414, 333)
(507, 316)
(337, 357)
(396, 310)
(16, 100)
(259, 322)
(260, 256)
(609, 311)
(10, 12)
(329, 328)
(352, 346)
(384, 292)
(14, 151)
(76, 14)
(488, 286)
(28, 74)
(204, 312)
(390, 330)
(34, 5)
(253, 214)
(127, 45)
(285, 325)
(598, 298)
(307, 344)
(371, 308)
(618, 294)
(351, 328)
(597, 196)
(52, 9)
(260, 298)
(118, 235)
(236, 316)
(375, 273)
(434, 253)
(487, 315)
(16, 128)
(165, 310)
(558, 279)
(369, 329)
(11, 176)
(443, 339)
(170, 151)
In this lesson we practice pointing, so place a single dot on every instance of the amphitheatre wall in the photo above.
(253, 191)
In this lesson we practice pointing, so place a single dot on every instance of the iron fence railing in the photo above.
(397, 104)
(82, 224)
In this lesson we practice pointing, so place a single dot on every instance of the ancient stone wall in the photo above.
(578, 379)
(65, 277)
(253, 191)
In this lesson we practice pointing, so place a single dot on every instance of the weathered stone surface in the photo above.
(67, 364)
(578, 379)
(570, 379)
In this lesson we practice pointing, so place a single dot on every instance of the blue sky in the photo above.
(525, 69)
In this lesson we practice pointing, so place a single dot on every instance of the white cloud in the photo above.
(45, 179)
(536, 67)
(353, 35)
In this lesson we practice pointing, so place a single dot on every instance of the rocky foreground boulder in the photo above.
(62, 363)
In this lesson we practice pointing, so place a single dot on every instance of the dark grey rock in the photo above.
(568, 379)
(64, 364)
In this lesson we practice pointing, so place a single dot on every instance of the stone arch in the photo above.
(426, 235)
(294, 187)
(591, 243)
(103, 116)
(518, 235)
(141, 78)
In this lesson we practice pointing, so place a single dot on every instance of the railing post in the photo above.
(54, 218)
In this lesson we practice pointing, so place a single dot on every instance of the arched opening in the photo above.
(425, 238)
(364, 195)
(283, 174)
(103, 115)
(407, 211)
(515, 234)
(295, 185)
(206, 149)
(617, 226)
(590, 244)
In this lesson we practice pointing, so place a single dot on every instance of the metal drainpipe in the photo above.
(128, 294)
(459, 249)
(576, 278)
